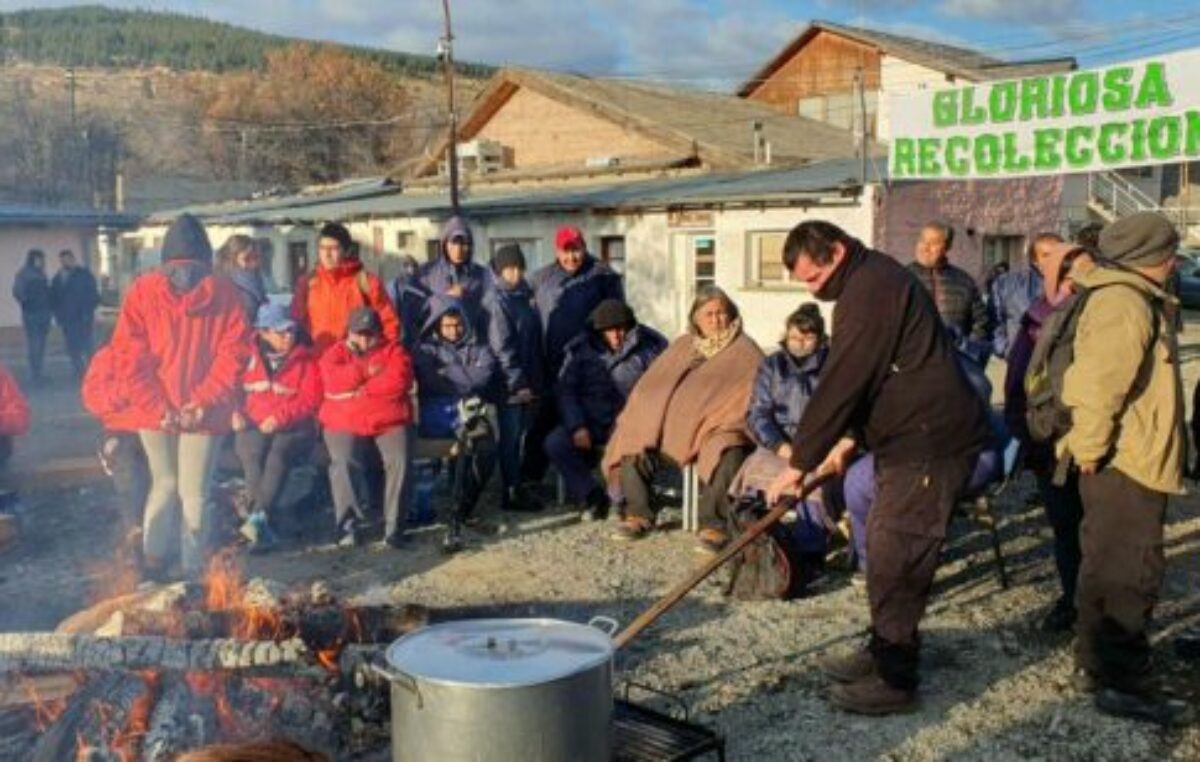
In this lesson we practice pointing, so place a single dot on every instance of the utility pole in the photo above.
(446, 49)
(861, 85)
(71, 94)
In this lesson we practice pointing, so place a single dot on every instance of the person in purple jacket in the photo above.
(456, 379)
(455, 274)
(601, 368)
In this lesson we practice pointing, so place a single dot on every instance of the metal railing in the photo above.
(1120, 197)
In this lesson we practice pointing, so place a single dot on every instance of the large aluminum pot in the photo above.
(519, 690)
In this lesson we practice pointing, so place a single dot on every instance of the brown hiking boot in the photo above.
(632, 528)
(850, 667)
(872, 696)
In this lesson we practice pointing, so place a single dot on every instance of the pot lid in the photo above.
(500, 652)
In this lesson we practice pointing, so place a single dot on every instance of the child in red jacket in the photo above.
(124, 461)
(14, 414)
(367, 382)
(275, 424)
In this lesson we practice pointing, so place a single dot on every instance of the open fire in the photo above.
(150, 674)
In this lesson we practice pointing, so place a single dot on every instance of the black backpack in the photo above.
(773, 566)
(1046, 417)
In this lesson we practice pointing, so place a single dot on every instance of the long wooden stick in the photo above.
(668, 601)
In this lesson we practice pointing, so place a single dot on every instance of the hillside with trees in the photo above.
(185, 118)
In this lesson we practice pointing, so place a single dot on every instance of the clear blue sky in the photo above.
(703, 42)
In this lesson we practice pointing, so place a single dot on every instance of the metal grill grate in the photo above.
(644, 735)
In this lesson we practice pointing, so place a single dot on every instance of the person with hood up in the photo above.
(75, 297)
(515, 336)
(565, 292)
(408, 300)
(1127, 440)
(367, 379)
(275, 425)
(455, 274)
(688, 408)
(106, 396)
(31, 289)
(600, 370)
(182, 339)
(239, 260)
(457, 377)
(323, 301)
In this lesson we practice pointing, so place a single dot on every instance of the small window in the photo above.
(433, 249)
(298, 264)
(1008, 249)
(404, 241)
(766, 259)
(704, 261)
(612, 252)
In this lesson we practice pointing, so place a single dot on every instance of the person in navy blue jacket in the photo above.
(1013, 293)
(786, 380)
(455, 274)
(565, 292)
(600, 370)
(515, 336)
(408, 299)
(456, 379)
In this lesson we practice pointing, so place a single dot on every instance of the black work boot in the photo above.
(519, 500)
(596, 505)
(1143, 707)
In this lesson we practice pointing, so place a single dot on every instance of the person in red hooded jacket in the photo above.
(323, 301)
(276, 424)
(367, 379)
(105, 396)
(182, 339)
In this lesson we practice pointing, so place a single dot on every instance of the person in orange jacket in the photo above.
(368, 380)
(276, 424)
(322, 302)
(182, 339)
(105, 396)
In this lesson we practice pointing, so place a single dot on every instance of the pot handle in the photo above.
(605, 624)
(400, 680)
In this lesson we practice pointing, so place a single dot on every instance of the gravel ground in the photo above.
(994, 688)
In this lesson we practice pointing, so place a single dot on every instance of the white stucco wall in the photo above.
(898, 77)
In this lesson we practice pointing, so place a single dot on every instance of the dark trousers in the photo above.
(514, 422)
(77, 335)
(905, 531)
(534, 462)
(473, 466)
(1123, 566)
(267, 459)
(124, 461)
(637, 478)
(1064, 509)
(577, 467)
(346, 458)
(35, 344)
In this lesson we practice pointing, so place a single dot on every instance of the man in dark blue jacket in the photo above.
(74, 297)
(456, 379)
(600, 370)
(408, 299)
(515, 336)
(31, 289)
(455, 274)
(565, 292)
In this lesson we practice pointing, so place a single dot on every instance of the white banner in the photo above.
(1130, 114)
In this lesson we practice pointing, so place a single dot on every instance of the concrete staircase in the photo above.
(1111, 196)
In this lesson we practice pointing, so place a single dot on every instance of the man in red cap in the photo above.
(565, 292)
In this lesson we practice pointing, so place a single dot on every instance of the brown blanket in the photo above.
(687, 408)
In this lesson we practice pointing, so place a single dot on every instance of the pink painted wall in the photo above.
(1021, 207)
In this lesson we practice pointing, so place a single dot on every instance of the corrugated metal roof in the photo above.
(769, 185)
(20, 214)
(349, 190)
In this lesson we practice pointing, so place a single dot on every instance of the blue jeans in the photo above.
(514, 421)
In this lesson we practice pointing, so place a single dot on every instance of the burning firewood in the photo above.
(269, 751)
